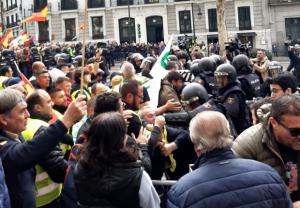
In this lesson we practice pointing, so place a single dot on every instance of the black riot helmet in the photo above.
(77, 61)
(196, 70)
(242, 64)
(194, 92)
(207, 65)
(275, 68)
(62, 58)
(217, 59)
(172, 61)
(225, 74)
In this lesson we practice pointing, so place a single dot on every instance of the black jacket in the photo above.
(19, 159)
(118, 187)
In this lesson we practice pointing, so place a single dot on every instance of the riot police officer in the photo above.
(205, 72)
(250, 82)
(232, 96)
(195, 99)
(147, 65)
(136, 59)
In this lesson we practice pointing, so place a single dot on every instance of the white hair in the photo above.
(210, 130)
(127, 70)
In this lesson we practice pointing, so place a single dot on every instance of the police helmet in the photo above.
(207, 65)
(196, 70)
(217, 59)
(78, 60)
(225, 74)
(62, 58)
(241, 63)
(194, 92)
(148, 62)
(34, 50)
(172, 61)
(275, 68)
(196, 61)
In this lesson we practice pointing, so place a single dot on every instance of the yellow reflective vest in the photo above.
(47, 190)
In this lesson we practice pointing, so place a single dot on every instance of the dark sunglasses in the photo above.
(294, 132)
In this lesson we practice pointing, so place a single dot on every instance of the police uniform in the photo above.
(233, 99)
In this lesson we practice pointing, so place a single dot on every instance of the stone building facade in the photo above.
(260, 22)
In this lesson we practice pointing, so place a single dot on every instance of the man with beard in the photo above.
(275, 141)
(132, 96)
(59, 100)
(171, 88)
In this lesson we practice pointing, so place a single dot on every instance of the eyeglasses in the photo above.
(294, 132)
(275, 90)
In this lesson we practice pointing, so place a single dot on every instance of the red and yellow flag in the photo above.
(39, 17)
(6, 38)
(28, 85)
(21, 40)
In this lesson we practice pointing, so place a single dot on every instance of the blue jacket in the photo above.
(221, 180)
(19, 158)
(4, 197)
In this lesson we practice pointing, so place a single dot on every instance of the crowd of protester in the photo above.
(74, 133)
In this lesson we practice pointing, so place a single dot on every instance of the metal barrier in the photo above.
(162, 187)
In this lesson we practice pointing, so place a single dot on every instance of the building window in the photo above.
(151, 1)
(39, 5)
(127, 30)
(185, 22)
(124, 2)
(7, 22)
(6, 4)
(96, 3)
(292, 28)
(17, 20)
(244, 18)
(181, 0)
(70, 29)
(212, 20)
(97, 27)
(69, 4)
(12, 21)
(43, 31)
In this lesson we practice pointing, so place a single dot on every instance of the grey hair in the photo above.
(9, 98)
(127, 70)
(210, 130)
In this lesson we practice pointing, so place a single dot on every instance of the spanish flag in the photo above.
(38, 17)
(6, 38)
(27, 83)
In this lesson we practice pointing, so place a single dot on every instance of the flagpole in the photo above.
(83, 45)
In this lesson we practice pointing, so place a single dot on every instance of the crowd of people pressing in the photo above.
(74, 133)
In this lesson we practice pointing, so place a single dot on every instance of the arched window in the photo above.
(69, 4)
(127, 30)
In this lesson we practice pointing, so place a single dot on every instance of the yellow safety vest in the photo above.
(172, 163)
(86, 92)
(2, 79)
(47, 190)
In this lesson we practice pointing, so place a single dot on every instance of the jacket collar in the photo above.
(214, 156)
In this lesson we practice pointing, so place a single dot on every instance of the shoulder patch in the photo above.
(206, 105)
(230, 100)
(3, 143)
